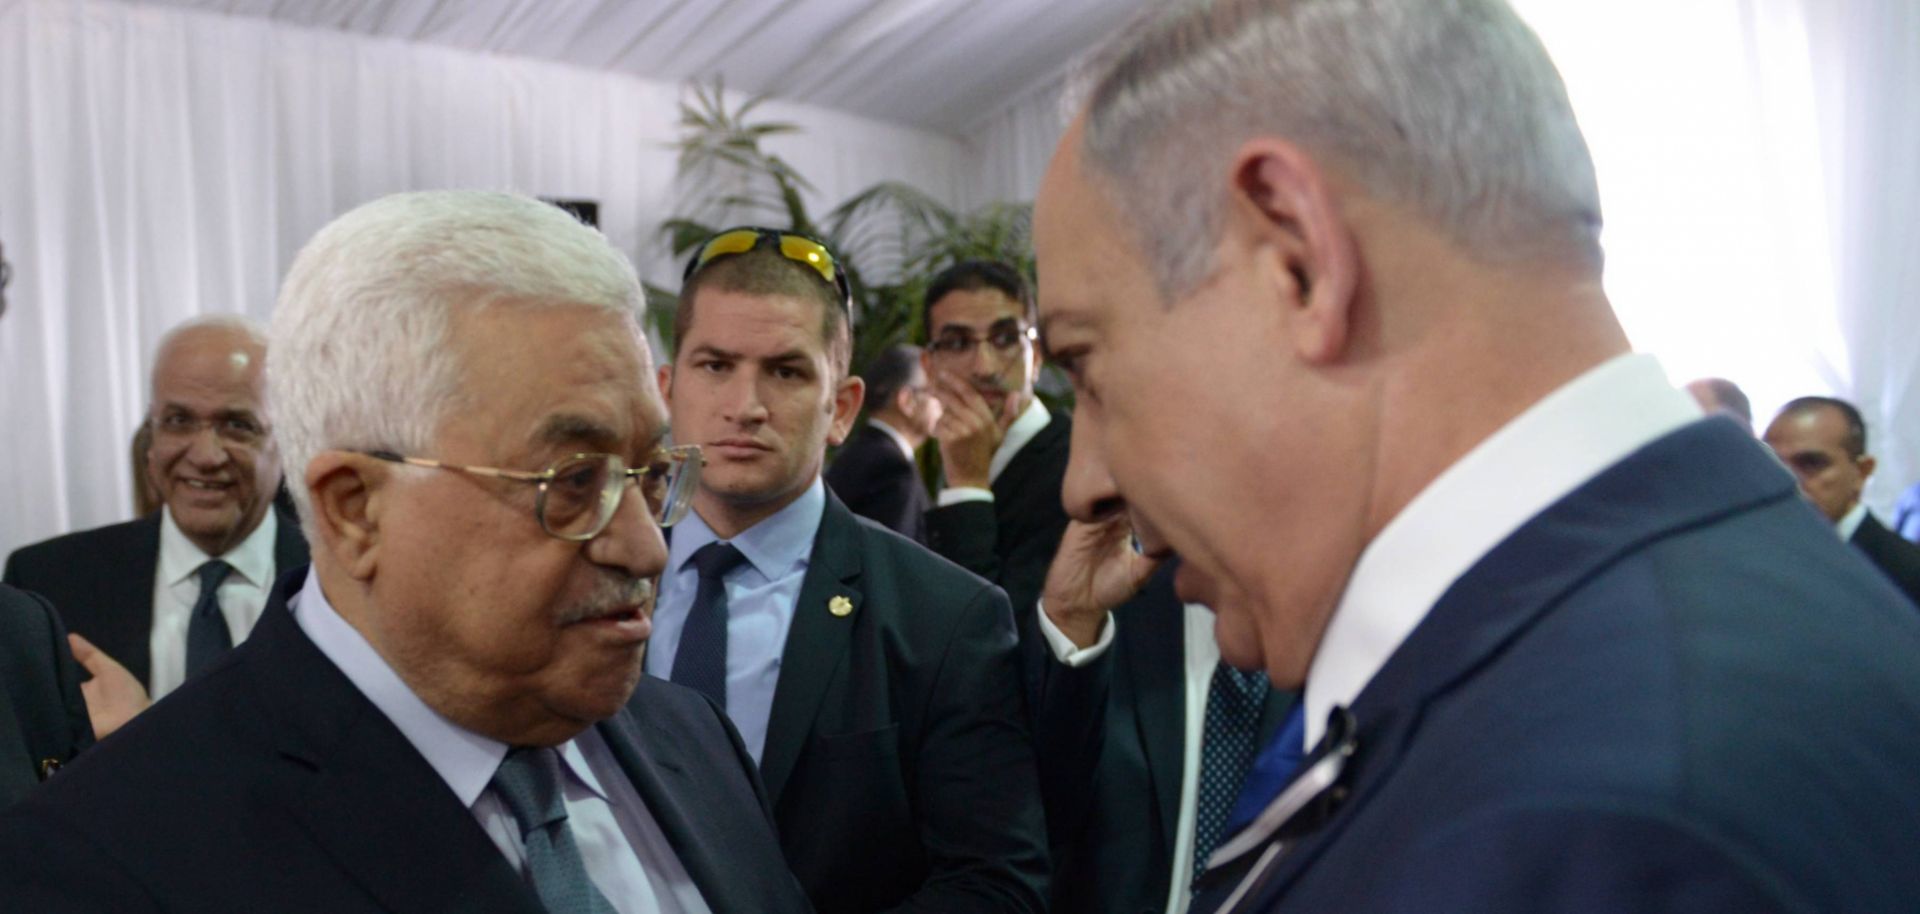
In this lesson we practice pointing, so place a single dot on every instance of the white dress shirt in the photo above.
(1850, 522)
(176, 587)
(1558, 444)
(1032, 419)
(626, 854)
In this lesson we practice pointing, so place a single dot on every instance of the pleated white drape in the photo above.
(157, 164)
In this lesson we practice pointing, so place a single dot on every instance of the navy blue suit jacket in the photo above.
(1673, 690)
(270, 783)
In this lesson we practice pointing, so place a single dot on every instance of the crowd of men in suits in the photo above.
(1371, 571)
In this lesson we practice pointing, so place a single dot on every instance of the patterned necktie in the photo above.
(1227, 744)
(528, 782)
(207, 635)
(701, 661)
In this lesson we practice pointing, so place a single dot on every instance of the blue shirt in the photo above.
(761, 594)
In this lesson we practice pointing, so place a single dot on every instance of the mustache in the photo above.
(611, 595)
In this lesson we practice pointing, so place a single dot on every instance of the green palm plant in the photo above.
(891, 237)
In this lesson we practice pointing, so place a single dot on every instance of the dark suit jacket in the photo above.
(898, 756)
(1897, 558)
(1012, 540)
(102, 580)
(42, 716)
(270, 783)
(881, 484)
(1673, 690)
(1113, 830)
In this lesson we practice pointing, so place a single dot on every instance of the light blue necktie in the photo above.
(529, 783)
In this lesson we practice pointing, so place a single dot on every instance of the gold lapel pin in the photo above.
(840, 606)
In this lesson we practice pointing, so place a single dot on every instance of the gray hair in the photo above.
(1449, 107)
(361, 335)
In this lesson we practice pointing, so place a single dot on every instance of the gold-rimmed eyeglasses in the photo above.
(578, 494)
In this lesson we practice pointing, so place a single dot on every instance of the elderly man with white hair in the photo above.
(155, 601)
(426, 720)
(1326, 275)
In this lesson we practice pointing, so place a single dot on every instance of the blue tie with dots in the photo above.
(528, 782)
(701, 660)
(1228, 741)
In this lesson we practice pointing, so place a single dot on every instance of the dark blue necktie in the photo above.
(1273, 769)
(528, 782)
(701, 661)
(207, 635)
(1227, 743)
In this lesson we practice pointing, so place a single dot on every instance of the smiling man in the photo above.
(1326, 275)
(876, 683)
(429, 718)
(165, 595)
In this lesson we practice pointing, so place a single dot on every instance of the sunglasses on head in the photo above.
(809, 252)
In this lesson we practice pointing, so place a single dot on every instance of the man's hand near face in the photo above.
(1095, 570)
(968, 431)
(113, 695)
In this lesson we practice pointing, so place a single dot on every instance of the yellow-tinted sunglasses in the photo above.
(810, 252)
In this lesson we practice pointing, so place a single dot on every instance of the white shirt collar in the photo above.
(1559, 443)
(1032, 419)
(906, 447)
(180, 559)
(465, 760)
(1850, 522)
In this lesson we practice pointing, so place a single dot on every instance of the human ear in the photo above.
(1286, 204)
(344, 490)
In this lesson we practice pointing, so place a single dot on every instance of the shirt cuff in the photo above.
(1064, 650)
(959, 494)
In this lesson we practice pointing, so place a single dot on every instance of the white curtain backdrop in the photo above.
(1759, 166)
(157, 164)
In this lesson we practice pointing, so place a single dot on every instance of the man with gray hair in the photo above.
(155, 601)
(428, 719)
(1326, 277)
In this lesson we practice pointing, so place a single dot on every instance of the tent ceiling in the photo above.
(942, 65)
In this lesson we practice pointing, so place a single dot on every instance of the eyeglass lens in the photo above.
(586, 490)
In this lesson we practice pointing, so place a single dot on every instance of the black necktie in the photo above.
(1227, 744)
(701, 661)
(528, 782)
(207, 636)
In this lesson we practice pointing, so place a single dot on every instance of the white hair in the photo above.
(1448, 107)
(361, 334)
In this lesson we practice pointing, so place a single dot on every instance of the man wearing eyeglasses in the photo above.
(429, 718)
(875, 682)
(156, 600)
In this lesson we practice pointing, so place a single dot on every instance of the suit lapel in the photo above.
(289, 546)
(1704, 471)
(360, 790)
(1157, 661)
(816, 643)
(128, 600)
(651, 760)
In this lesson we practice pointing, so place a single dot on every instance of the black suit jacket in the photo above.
(1673, 690)
(43, 719)
(898, 756)
(881, 484)
(270, 783)
(1897, 558)
(102, 580)
(1112, 742)
(1012, 540)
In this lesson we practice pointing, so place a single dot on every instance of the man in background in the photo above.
(1326, 276)
(876, 683)
(428, 719)
(165, 595)
(1823, 440)
(875, 473)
